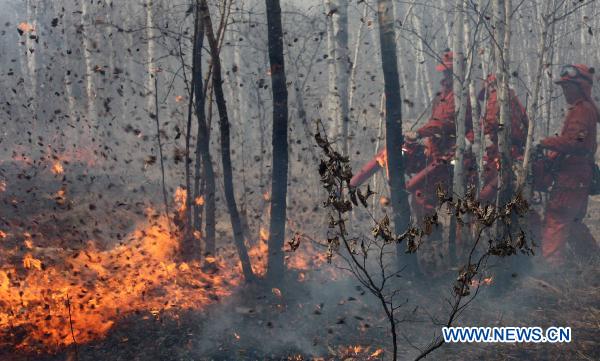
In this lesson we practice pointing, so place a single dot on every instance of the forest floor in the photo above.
(252, 326)
(321, 318)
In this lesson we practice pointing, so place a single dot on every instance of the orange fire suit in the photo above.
(573, 153)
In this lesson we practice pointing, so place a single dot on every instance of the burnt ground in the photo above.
(251, 326)
(328, 319)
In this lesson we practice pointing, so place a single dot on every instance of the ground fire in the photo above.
(89, 290)
(314, 180)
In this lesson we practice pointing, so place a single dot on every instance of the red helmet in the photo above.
(580, 74)
(490, 80)
(446, 64)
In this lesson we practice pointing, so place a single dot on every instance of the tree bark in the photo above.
(90, 86)
(532, 107)
(279, 176)
(421, 56)
(393, 126)
(502, 11)
(188, 250)
(150, 51)
(358, 40)
(460, 100)
(460, 89)
(203, 154)
(160, 150)
(342, 68)
(332, 108)
(224, 126)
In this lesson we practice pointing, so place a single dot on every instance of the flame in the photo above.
(264, 234)
(79, 155)
(258, 256)
(30, 262)
(484, 282)
(276, 291)
(101, 286)
(199, 201)
(306, 258)
(377, 353)
(384, 201)
(26, 27)
(141, 274)
(57, 168)
(180, 198)
(358, 352)
(352, 350)
(54, 161)
(356, 349)
(2, 186)
(382, 160)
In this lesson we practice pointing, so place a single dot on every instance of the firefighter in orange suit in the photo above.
(490, 121)
(572, 154)
(518, 132)
(439, 137)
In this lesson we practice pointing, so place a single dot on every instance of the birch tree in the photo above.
(501, 39)
(353, 68)
(279, 176)
(29, 64)
(461, 97)
(88, 51)
(339, 67)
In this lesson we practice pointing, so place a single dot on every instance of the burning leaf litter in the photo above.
(140, 275)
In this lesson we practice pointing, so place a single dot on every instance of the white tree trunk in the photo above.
(72, 112)
(151, 54)
(358, 39)
(461, 97)
(30, 54)
(480, 136)
(471, 86)
(532, 104)
(110, 57)
(88, 51)
(339, 67)
(332, 109)
(502, 11)
(421, 56)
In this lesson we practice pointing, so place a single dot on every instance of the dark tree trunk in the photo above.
(236, 224)
(203, 156)
(190, 249)
(275, 266)
(160, 151)
(393, 125)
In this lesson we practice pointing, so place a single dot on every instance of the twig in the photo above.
(335, 175)
(72, 332)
